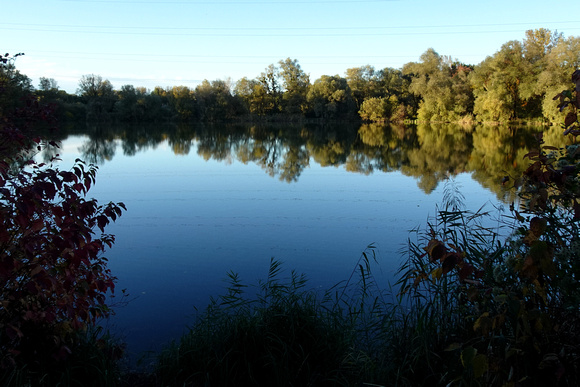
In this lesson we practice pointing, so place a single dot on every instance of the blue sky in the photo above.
(181, 42)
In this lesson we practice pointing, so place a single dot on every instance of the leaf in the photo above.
(450, 261)
(467, 356)
(570, 119)
(436, 250)
(483, 323)
(436, 273)
(480, 365)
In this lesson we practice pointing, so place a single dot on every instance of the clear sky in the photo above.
(181, 42)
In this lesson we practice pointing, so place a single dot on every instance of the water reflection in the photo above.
(429, 152)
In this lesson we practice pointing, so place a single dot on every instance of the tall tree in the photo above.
(497, 84)
(295, 84)
(560, 61)
(363, 83)
(98, 94)
(270, 89)
(14, 86)
(215, 100)
(442, 86)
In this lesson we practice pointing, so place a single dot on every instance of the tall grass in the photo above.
(285, 335)
(359, 332)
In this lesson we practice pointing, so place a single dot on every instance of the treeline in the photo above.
(515, 83)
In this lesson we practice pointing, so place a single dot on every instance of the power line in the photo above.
(267, 2)
(147, 57)
(414, 27)
(267, 35)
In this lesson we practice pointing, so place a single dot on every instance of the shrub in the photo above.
(512, 303)
(53, 277)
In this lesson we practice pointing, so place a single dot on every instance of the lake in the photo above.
(205, 201)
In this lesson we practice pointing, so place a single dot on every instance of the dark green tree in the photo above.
(330, 97)
(99, 96)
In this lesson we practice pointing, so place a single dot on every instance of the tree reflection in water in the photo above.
(429, 152)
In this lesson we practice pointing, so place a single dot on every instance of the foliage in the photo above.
(330, 97)
(443, 87)
(513, 84)
(285, 335)
(514, 302)
(375, 109)
(295, 84)
(53, 278)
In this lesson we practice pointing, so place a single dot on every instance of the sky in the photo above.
(148, 43)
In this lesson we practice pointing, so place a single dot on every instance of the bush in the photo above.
(512, 303)
(53, 277)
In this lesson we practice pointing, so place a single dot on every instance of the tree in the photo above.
(443, 87)
(295, 86)
(330, 97)
(183, 101)
(270, 89)
(215, 100)
(560, 61)
(47, 84)
(538, 43)
(394, 85)
(363, 83)
(99, 96)
(375, 109)
(497, 84)
(15, 87)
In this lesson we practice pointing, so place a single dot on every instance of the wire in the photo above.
(414, 27)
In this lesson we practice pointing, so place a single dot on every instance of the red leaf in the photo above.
(436, 250)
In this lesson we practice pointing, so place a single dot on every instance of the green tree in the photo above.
(394, 85)
(126, 106)
(375, 109)
(497, 84)
(215, 100)
(295, 86)
(560, 61)
(363, 83)
(330, 97)
(270, 90)
(183, 101)
(443, 87)
(47, 84)
(99, 96)
(243, 91)
(14, 86)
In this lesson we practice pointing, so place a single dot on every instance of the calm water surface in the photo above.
(189, 221)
